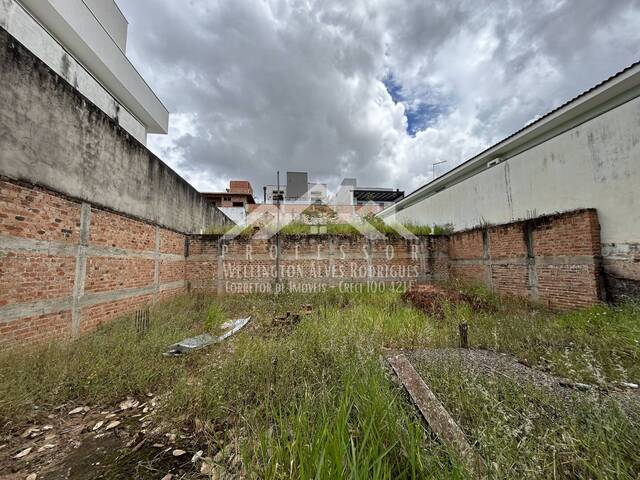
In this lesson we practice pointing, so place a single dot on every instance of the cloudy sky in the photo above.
(377, 89)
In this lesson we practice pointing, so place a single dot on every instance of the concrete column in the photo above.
(156, 272)
(81, 269)
(220, 276)
(369, 259)
(532, 273)
(486, 257)
(423, 252)
(332, 260)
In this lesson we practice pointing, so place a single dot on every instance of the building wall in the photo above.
(92, 225)
(112, 20)
(16, 21)
(595, 165)
(90, 39)
(67, 266)
(552, 259)
(311, 263)
(52, 136)
(237, 215)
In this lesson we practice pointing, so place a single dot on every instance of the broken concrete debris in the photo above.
(78, 410)
(632, 386)
(201, 341)
(288, 320)
(129, 403)
(23, 453)
(584, 387)
(112, 425)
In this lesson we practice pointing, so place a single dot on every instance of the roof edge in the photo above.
(618, 89)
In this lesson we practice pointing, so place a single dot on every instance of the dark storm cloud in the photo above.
(260, 85)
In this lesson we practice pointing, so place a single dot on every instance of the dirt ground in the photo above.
(87, 442)
(434, 300)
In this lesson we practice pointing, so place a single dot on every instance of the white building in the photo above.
(298, 189)
(584, 154)
(85, 42)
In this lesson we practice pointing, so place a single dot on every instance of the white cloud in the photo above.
(261, 85)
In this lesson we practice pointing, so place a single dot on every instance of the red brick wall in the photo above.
(109, 230)
(67, 267)
(27, 276)
(553, 259)
(35, 214)
(128, 263)
(569, 234)
(107, 274)
(466, 245)
(309, 263)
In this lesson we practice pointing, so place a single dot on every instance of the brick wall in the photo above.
(66, 267)
(555, 259)
(312, 263)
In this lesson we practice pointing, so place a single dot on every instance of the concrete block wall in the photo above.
(555, 259)
(67, 266)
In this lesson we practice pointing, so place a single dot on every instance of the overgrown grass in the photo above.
(99, 368)
(317, 401)
(598, 345)
(300, 227)
(245, 232)
(523, 431)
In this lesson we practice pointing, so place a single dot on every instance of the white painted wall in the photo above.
(237, 214)
(30, 33)
(112, 19)
(596, 164)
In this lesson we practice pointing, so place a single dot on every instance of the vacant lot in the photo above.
(312, 397)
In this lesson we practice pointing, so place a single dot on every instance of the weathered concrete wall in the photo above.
(595, 165)
(52, 136)
(24, 28)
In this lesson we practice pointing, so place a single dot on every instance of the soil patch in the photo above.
(434, 300)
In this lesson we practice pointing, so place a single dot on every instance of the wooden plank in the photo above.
(436, 416)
